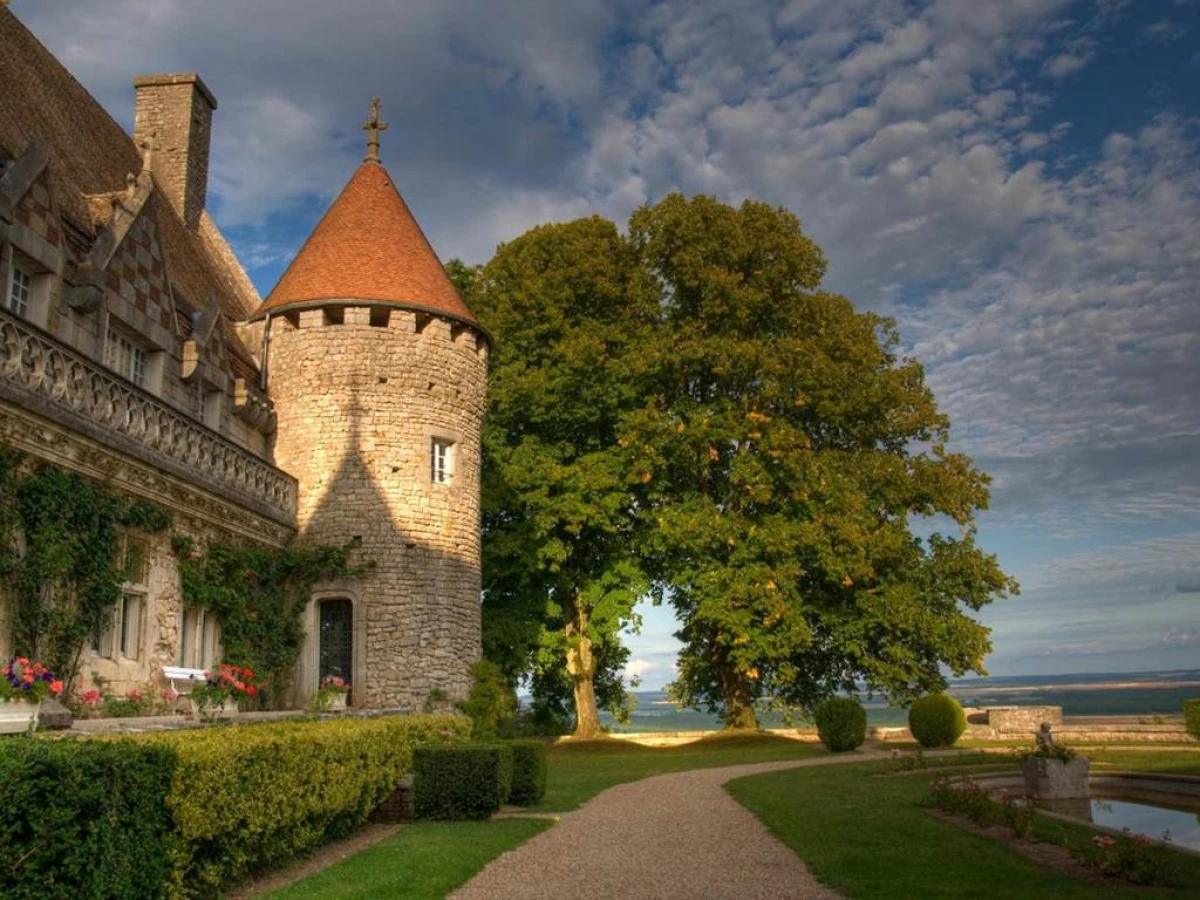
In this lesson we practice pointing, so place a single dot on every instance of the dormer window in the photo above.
(125, 357)
(24, 286)
(442, 461)
(19, 291)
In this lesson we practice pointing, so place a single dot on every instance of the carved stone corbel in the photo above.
(253, 407)
(203, 323)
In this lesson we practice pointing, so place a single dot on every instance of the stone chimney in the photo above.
(174, 114)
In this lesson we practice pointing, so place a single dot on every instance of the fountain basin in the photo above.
(1148, 803)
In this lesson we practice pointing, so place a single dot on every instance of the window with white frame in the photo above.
(199, 639)
(26, 286)
(121, 634)
(441, 461)
(125, 357)
(20, 289)
(206, 405)
(129, 625)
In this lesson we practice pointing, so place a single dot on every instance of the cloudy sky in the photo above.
(1017, 182)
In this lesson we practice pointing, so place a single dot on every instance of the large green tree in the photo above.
(788, 459)
(561, 572)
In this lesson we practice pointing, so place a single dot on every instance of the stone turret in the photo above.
(378, 372)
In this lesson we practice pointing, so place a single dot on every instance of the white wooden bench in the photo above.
(181, 677)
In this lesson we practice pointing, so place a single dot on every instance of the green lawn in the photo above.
(425, 861)
(869, 837)
(580, 770)
(430, 859)
(866, 836)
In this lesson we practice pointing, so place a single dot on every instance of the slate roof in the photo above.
(91, 154)
(368, 246)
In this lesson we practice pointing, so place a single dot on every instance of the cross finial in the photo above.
(372, 127)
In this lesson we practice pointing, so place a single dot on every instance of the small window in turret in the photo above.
(380, 316)
(441, 461)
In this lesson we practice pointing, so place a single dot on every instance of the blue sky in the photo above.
(1017, 182)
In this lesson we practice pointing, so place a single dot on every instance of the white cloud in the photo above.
(637, 669)
(1065, 64)
(1046, 278)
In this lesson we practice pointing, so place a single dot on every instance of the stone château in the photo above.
(135, 350)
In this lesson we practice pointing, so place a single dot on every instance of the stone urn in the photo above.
(337, 703)
(1049, 778)
(17, 716)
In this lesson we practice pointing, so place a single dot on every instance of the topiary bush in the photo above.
(529, 772)
(469, 781)
(937, 720)
(841, 723)
(1191, 717)
(84, 819)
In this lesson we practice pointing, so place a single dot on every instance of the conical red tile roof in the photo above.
(368, 246)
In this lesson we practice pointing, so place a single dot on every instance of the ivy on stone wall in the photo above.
(259, 595)
(60, 563)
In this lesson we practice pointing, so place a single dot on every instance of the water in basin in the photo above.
(1144, 818)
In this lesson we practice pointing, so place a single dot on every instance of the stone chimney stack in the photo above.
(174, 115)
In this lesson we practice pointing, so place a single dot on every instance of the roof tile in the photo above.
(368, 246)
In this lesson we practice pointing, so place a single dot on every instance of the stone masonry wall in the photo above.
(358, 407)
(137, 302)
(195, 512)
(174, 112)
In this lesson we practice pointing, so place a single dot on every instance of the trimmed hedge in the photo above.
(529, 772)
(186, 813)
(937, 720)
(84, 819)
(1191, 717)
(469, 781)
(246, 798)
(841, 723)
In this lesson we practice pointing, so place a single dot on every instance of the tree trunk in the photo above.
(581, 666)
(739, 705)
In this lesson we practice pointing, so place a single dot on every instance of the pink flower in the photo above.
(56, 687)
(90, 698)
(1103, 841)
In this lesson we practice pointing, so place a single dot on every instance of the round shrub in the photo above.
(937, 720)
(841, 723)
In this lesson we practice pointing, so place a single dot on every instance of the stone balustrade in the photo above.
(64, 381)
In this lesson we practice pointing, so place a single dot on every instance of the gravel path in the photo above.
(666, 837)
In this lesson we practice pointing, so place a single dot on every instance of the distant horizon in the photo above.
(1059, 677)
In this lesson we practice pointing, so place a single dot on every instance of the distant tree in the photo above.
(560, 570)
(464, 277)
(785, 452)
